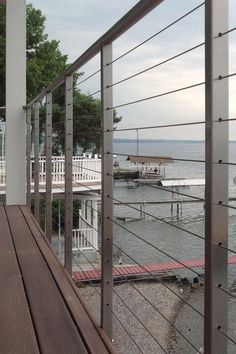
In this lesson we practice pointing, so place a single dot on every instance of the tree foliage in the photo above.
(87, 115)
(44, 58)
(44, 63)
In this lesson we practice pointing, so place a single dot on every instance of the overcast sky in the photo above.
(79, 23)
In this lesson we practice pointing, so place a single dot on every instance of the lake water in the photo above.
(175, 242)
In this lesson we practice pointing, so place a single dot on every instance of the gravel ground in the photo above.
(191, 324)
(164, 302)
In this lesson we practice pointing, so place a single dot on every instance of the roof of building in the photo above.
(183, 182)
(150, 159)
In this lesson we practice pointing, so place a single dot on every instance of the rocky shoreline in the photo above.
(154, 333)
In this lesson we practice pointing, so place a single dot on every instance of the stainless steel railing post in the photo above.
(107, 191)
(216, 219)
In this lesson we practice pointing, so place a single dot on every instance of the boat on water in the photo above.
(150, 168)
(115, 162)
(144, 170)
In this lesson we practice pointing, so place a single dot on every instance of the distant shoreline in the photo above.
(162, 141)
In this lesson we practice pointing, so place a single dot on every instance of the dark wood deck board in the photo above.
(56, 331)
(17, 334)
(91, 333)
(40, 308)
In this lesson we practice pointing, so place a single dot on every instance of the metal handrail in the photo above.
(141, 9)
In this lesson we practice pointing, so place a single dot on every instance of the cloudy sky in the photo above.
(79, 23)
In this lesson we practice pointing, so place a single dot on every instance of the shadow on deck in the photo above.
(40, 309)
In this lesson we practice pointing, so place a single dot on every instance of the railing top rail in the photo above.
(127, 21)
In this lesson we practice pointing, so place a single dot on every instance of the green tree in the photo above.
(44, 58)
(44, 63)
(86, 123)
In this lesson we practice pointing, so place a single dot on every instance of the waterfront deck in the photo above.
(143, 269)
(40, 309)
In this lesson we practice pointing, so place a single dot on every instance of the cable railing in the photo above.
(158, 33)
(157, 126)
(157, 235)
(188, 87)
(145, 298)
(159, 157)
(78, 264)
(144, 268)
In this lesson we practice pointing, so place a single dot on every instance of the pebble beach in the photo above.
(154, 333)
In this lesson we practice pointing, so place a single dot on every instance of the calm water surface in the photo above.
(177, 243)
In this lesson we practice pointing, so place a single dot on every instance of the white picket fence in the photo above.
(2, 171)
(82, 170)
(85, 239)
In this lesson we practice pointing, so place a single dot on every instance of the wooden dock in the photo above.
(142, 269)
(40, 308)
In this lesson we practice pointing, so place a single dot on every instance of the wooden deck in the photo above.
(40, 309)
(143, 269)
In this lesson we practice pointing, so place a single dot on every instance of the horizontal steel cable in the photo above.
(86, 133)
(57, 185)
(137, 318)
(99, 293)
(58, 97)
(221, 77)
(148, 214)
(147, 185)
(83, 271)
(221, 162)
(226, 291)
(131, 311)
(173, 191)
(147, 271)
(84, 185)
(226, 120)
(155, 247)
(221, 34)
(227, 205)
(78, 183)
(153, 276)
(165, 254)
(159, 219)
(125, 329)
(226, 335)
(156, 96)
(226, 248)
(149, 127)
(124, 203)
(150, 303)
(117, 318)
(60, 244)
(155, 126)
(88, 77)
(85, 168)
(157, 33)
(151, 186)
(171, 324)
(163, 201)
(156, 65)
(94, 93)
(159, 157)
